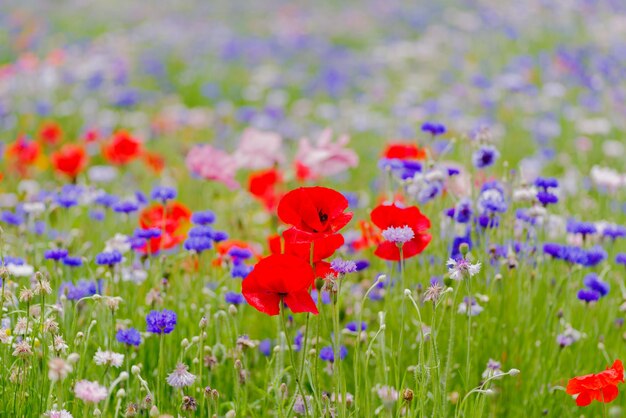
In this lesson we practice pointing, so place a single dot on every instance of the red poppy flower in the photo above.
(314, 210)
(222, 249)
(262, 185)
(280, 277)
(154, 161)
(50, 133)
(303, 172)
(599, 386)
(122, 148)
(404, 151)
(323, 247)
(23, 151)
(385, 216)
(70, 160)
(369, 237)
(173, 221)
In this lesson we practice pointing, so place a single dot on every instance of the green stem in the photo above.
(293, 361)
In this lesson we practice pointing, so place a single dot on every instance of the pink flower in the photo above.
(212, 164)
(90, 391)
(324, 158)
(259, 150)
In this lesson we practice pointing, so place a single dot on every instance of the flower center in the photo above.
(323, 217)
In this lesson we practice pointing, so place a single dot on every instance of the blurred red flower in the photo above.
(385, 216)
(173, 220)
(263, 186)
(122, 148)
(313, 211)
(599, 386)
(154, 161)
(70, 160)
(280, 277)
(23, 153)
(404, 151)
(50, 133)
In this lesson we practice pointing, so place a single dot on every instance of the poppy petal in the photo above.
(301, 302)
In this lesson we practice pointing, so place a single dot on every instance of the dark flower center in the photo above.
(323, 217)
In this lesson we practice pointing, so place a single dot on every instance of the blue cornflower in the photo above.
(583, 228)
(614, 231)
(82, 289)
(431, 190)
(234, 298)
(588, 295)
(201, 231)
(219, 236)
(240, 270)
(265, 347)
(593, 282)
(434, 128)
(106, 200)
(547, 198)
(362, 264)
(161, 322)
(128, 336)
(16, 261)
(491, 198)
(343, 266)
(141, 198)
(328, 353)
(546, 182)
(72, 261)
(96, 215)
(353, 326)
(66, 200)
(205, 217)
(485, 156)
(163, 193)
(125, 206)
(11, 218)
(463, 211)
(240, 253)
(198, 244)
(56, 254)
(107, 258)
(148, 233)
(39, 227)
(297, 341)
(621, 258)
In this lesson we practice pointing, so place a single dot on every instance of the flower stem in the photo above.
(293, 361)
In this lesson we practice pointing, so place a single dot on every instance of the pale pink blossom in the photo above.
(324, 157)
(90, 391)
(259, 149)
(212, 164)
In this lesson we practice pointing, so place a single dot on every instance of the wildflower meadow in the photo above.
(379, 208)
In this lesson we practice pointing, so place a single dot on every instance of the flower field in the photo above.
(312, 209)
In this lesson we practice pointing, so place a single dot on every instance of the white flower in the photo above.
(607, 178)
(180, 377)
(459, 269)
(108, 358)
(119, 243)
(58, 414)
(474, 307)
(34, 208)
(24, 270)
(58, 369)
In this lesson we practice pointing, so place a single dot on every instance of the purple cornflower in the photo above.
(265, 347)
(198, 244)
(163, 193)
(148, 233)
(353, 326)
(72, 261)
(621, 259)
(593, 282)
(297, 341)
(205, 217)
(128, 336)
(125, 206)
(343, 266)
(107, 258)
(11, 218)
(106, 200)
(485, 156)
(161, 322)
(546, 183)
(362, 264)
(81, 289)
(399, 235)
(462, 213)
(219, 236)
(614, 231)
(240, 270)
(201, 231)
(433, 128)
(234, 298)
(588, 295)
(547, 198)
(491, 198)
(582, 228)
(238, 253)
(55, 254)
(328, 353)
